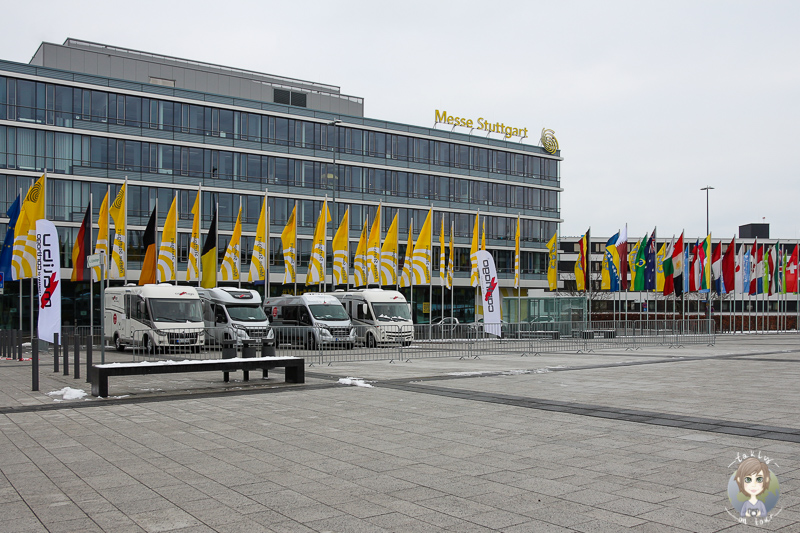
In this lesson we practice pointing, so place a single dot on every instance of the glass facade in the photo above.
(90, 139)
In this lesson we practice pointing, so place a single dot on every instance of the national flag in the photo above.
(660, 256)
(360, 268)
(474, 277)
(483, 235)
(389, 255)
(232, 260)
(168, 250)
(341, 252)
(754, 265)
(650, 263)
(450, 260)
(119, 248)
(101, 245)
(581, 263)
(374, 249)
(669, 270)
(259, 260)
(442, 267)
(640, 270)
(622, 251)
(705, 267)
(716, 269)
(208, 256)
(316, 266)
(760, 270)
(729, 267)
(552, 262)
(8, 243)
(610, 274)
(150, 261)
(82, 247)
(406, 277)
(678, 265)
(23, 258)
(421, 258)
(193, 266)
(695, 268)
(289, 243)
(791, 271)
(772, 269)
(633, 259)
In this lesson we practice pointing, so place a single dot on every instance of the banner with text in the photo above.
(490, 293)
(49, 266)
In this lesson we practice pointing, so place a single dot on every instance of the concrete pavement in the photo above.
(615, 440)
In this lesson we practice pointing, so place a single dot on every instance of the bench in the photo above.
(99, 374)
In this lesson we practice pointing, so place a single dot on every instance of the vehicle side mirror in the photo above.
(364, 309)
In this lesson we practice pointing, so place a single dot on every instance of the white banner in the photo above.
(49, 265)
(490, 293)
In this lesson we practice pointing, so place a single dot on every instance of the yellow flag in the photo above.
(474, 278)
(580, 266)
(193, 268)
(316, 266)
(288, 240)
(516, 258)
(232, 261)
(23, 259)
(483, 235)
(374, 249)
(168, 251)
(552, 263)
(389, 256)
(450, 261)
(360, 268)
(662, 253)
(341, 252)
(258, 260)
(421, 259)
(406, 277)
(101, 246)
(442, 267)
(118, 215)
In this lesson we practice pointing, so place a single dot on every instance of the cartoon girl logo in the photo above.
(753, 490)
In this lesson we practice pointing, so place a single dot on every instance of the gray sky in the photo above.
(649, 101)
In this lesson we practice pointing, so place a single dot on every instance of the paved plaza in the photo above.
(615, 440)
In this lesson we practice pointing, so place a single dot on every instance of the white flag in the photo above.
(48, 264)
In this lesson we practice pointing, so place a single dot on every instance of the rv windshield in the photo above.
(247, 313)
(328, 312)
(391, 312)
(174, 310)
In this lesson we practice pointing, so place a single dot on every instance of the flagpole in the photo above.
(125, 254)
(518, 276)
(453, 280)
(430, 272)
(296, 251)
(91, 283)
(239, 266)
(322, 280)
(266, 244)
(216, 244)
(175, 249)
(411, 272)
(199, 214)
(22, 201)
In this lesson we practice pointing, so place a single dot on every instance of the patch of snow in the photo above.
(68, 394)
(356, 382)
(26, 345)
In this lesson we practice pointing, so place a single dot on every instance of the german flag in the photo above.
(80, 251)
(208, 257)
(150, 263)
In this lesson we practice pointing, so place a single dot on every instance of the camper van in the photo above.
(380, 317)
(311, 319)
(237, 314)
(156, 317)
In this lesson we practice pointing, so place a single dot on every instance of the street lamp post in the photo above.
(708, 231)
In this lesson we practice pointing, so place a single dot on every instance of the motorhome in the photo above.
(381, 317)
(154, 316)
(234, 314)
(311, 319)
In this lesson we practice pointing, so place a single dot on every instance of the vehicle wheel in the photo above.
(311, 342)
(350, 345)
(371, 341)
(118, 343)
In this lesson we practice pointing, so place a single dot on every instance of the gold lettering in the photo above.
(441, 117)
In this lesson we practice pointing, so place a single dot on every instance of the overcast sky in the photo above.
(650, 101)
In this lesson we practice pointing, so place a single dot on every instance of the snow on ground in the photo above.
(356, 382)
(67, 394)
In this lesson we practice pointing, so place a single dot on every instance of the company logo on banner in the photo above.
(490, 295)
(49, 266)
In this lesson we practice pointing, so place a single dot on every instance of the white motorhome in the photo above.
(381, 317)
(157, 317)
(237, 314)
(310, 319)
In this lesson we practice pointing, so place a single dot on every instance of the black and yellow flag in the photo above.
(150, 263)
(208, 257)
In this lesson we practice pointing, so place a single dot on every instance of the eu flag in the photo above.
(8, 244)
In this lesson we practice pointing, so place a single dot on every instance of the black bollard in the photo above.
(88, 357)
(34, 364)
(55, 352)
(76, 358)
(66, 355)
(18, 343)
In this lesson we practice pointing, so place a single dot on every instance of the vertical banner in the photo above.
(490, 293)
(49, 266)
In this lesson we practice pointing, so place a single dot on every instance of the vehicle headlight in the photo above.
(326, 332)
